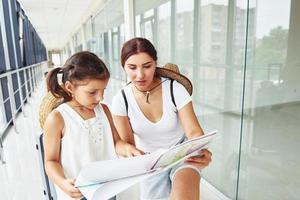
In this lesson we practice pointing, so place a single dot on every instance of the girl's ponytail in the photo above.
(54, 87)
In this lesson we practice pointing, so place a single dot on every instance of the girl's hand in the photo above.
(131, 150)
(69, 188)
(202, 160)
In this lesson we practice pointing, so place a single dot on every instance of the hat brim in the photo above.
(167, 73)
(49, 102)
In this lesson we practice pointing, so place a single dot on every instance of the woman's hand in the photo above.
(131, 150)
(202, 160)
(68, 186)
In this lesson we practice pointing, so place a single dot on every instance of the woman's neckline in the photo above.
(140, 110)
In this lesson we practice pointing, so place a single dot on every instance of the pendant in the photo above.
(147, 97)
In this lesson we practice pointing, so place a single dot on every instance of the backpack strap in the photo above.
(125, 100)
(172, 92)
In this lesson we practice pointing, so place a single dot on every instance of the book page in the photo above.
(110, 170)
(181, 151)
(110, 177)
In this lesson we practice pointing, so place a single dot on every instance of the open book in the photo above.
(105, 179)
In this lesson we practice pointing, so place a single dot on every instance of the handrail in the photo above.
(21, 83)
(19, 69)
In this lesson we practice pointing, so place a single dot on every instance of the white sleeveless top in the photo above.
(84, 141)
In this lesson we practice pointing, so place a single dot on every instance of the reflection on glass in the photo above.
(138, 26)
(164, 36)
(108, 35)
(117, 38)
(148, 13)
(184, 35)
(115, 45)
(222, 38)
(2, 116)
(77, 41)
(147, 29)
(145, 25)
(243, 60)
(88, 33)
(270, 161)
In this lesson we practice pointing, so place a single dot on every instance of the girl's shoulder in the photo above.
(54, 119)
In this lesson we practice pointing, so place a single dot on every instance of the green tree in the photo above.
(271, 49)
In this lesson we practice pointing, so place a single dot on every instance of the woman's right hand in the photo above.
(68, 186)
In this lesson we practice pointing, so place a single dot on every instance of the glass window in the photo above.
(164, 36)
(56, 59)
(108, 35)
(220, 86)
(142, 6)
(116, 43)
(138, 26)
(147, 30)
(77, 41)
(2, 54)
(88, 33)
(145, 25)
(184, 18)
(21, 35)
(117, 40)
(270, 151)
(243, 60)
(114, 13)
(2, 116)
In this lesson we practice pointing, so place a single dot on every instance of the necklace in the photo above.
(147, 92)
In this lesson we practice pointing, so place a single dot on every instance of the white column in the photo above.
(129, 19)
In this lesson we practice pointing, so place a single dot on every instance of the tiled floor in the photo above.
(20, 177)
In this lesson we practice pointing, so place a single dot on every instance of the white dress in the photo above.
(84, 141)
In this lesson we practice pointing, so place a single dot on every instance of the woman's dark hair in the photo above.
(80, 66)
(137, 45)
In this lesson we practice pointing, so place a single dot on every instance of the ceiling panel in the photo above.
(54, 20)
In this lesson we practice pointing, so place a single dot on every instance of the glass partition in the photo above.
(108, 36)
(243, 60)
(164, 36)
(88, 33)
(270, 159)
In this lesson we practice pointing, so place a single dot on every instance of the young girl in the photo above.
(146, 116)
(80, 130)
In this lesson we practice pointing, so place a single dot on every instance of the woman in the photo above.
(149, 116)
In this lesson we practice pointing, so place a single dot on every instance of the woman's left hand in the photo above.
(202, 160)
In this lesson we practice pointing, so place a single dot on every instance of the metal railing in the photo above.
(16, 87)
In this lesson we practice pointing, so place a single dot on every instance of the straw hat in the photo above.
(171, 71)
(49, 102)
